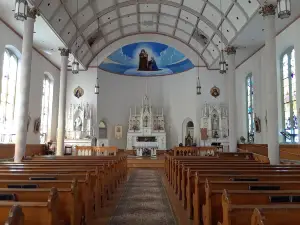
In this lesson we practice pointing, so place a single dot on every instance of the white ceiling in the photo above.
(196, 23)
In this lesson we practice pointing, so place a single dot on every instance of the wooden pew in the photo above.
(15, 216)
(199, 196)
(70, 208)
(273, 214)
(212, 209)
(35, 213)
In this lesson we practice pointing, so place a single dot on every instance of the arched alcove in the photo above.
(188, 132)
(102, 130)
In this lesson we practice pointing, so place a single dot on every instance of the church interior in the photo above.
(143, 112)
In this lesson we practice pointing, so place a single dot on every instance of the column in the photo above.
(297, 63)
(231, 51)
(62, 102)
(268, 11)
(23, 90)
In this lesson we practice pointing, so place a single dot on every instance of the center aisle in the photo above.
(144, 201)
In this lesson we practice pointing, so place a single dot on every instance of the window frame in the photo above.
(250, 76)
(287, 52)
(7, 137)
(44, 136)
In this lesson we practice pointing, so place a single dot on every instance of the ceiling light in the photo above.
(198, 85)
(75, 67)
(97, 88)
(21, 10)
(284, 8)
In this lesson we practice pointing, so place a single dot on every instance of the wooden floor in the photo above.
(109, 209)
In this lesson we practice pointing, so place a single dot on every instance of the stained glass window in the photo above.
(8, 95)
(46, 109)
(250, 110)
(290, 120)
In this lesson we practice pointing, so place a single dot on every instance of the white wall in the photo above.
(86, 80)
(256, 65)
(175, 93)
(39, 66)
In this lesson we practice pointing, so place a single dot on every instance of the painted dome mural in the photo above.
(146, 59)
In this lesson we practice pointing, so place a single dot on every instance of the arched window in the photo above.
(46, 109)
(250, 111)
(8, 95)
(289, 112)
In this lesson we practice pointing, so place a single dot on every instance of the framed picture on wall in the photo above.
(118, 131)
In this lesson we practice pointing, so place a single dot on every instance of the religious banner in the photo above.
(118, 132)
(204, 135)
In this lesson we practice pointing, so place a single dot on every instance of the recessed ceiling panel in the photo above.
(98, 45)
(75, 6)
(196, 5)
(188, 17)
(169, 10)
(85, 15)
(237, 17)
(127, 10)
(101, 5)
(199, 47)
(250, 7)
(212, 14)
(148, 8)
(182, 35)
(60, 19)
(213, 50)
(87, 58)
(183, 25)
(93, 27)
(129, 20)
(130, 29)
(110, 27)
(68, 33)
(227, 30)
(167, 20)
(49, 7)
(108, 17)
(113, 36)
(222, 5)
(205, 28)
(146, 59)
(165, 29)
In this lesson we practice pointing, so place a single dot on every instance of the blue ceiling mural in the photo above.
(146, 59)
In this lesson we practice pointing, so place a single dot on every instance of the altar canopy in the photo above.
(146, 130)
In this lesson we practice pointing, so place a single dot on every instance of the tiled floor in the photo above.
(144, 201)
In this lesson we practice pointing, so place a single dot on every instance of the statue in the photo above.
(189, 140)
(143, 62)
(146, 122)
(152, 66)
(215, 122)
(77, 124)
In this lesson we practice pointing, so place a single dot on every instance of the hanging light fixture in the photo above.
(284, 8)
(75, 64)
(198, 87)
(97, 88)
(222, 62)
(21, 10)
(75, 67)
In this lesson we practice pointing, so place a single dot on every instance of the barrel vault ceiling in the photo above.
(197, 23)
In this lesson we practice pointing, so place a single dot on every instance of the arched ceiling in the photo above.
(197, 23)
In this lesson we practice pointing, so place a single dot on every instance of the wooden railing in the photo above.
(96, 151)
(194, 151)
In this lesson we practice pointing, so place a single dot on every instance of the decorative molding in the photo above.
(231, 50)
(32, 13)
(64, 51)
(268, 10)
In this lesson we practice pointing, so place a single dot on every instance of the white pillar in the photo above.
(231, 51)
(23, 90)
(297, 63)
(268, 12)
(62, 102)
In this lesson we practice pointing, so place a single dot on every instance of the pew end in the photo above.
(15, 216)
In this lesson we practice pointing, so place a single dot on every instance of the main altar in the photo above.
(146, 131)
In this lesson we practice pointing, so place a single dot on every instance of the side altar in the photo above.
(146, 131)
